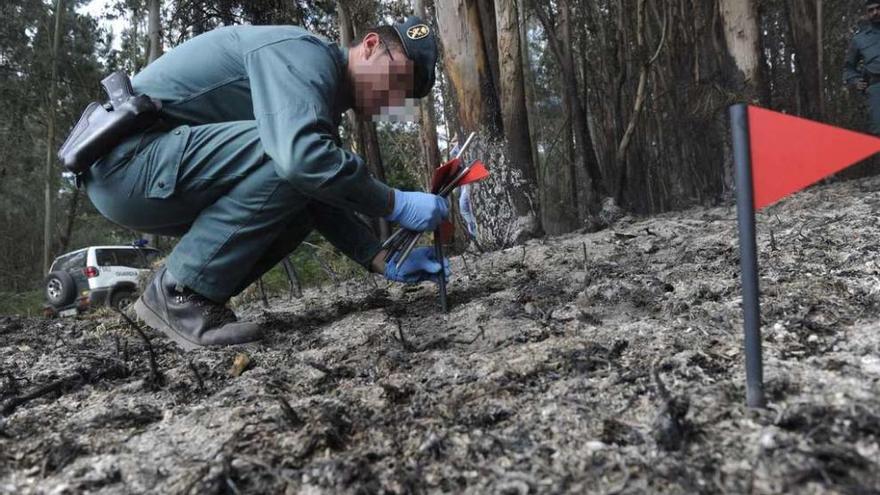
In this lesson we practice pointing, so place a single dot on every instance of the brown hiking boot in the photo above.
(190, 319)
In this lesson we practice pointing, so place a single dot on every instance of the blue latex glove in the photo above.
(421, 265)
(418, 211)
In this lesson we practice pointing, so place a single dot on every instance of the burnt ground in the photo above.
(606, 363)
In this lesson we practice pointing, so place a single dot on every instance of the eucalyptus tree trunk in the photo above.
(155, 30)
(514, 112)
(740, 18)
(583, 181)
(50, 139)
(155, 40)
(365, 135)
(428, 127)
(467, 65)
(505, 211)
(529, 82)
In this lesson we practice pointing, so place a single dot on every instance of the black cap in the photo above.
(420, 46)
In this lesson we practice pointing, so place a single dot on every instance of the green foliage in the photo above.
(401, 152)
(25, 80)
(316, 262)
(28, 303)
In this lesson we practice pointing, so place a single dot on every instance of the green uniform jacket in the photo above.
(863, 49)
(292, 83)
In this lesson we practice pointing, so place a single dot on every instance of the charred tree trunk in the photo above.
(803, 22)
(505, 211)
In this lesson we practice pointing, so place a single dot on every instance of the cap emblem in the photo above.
(418, 32)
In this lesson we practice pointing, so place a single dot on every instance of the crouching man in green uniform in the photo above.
(862, 64)
(246, 162)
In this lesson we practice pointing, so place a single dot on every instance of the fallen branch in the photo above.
(70, 382)
(199, 381)
(156, 376)
(405, 343)
(434, 343)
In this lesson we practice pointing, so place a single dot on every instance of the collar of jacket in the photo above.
(345, 95)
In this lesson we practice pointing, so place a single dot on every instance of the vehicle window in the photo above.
(151, 255)
(75, 261)
(128, 257)
(105, 257)
(59, 261)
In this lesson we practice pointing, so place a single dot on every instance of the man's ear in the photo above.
(370, 44)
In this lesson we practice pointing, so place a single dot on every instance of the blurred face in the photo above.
(381, 76)
(873, 12)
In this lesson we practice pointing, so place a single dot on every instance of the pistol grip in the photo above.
(118, 88)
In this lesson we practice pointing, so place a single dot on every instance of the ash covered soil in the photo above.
(608, 362)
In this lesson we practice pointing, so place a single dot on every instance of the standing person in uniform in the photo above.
(247, 161)
(862, 65)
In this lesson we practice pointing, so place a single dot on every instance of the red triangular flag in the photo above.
(444, 173)
(790, 153)
(477, 172)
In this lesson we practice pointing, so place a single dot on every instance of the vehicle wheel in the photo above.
(121, 299)
(60, 289)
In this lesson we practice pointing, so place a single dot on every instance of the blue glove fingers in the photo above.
(435, 277)
(418, 211)
(420, 266)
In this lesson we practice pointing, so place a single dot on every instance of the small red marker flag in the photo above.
(444, 173)
(791, 153)
(477, 172)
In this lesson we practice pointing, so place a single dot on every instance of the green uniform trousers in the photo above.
(213, 186)
(873, 94)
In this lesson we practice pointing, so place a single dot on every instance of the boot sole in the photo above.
(155, 321)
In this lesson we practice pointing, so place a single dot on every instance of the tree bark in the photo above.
(514, 113)
(155, 39)
(561, 42)
(366, 137)
(740, 19)
(72, 210)
(155, 30)
(820, 55)
(529, 82)
(802, 19)
(428, 127)
(467, 65)
(50, 139)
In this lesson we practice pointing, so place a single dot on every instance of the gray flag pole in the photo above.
(748, 253)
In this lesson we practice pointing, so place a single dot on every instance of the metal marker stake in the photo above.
(441, 282)
(447, 188)
(745, 208)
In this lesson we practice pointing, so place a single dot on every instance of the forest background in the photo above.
(583, 107)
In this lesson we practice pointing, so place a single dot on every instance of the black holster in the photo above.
(100, 128)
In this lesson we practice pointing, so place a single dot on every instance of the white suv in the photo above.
(95, 276)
